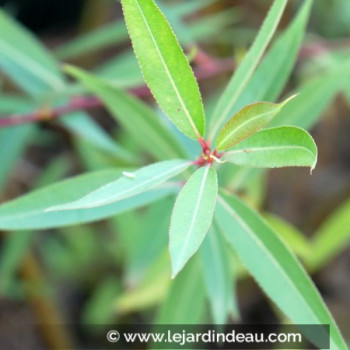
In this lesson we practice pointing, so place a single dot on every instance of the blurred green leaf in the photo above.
(152, 289)
(218, 276)
(313, 97)
(131, 112)
(291, 236)
(141, 237)
(116, 33)
(274, 148)
(122, 71)
(15, 247)
(28, 211)
(244, 72)
(331, 238)
(192, 216)
(164, 66)
(272, 73)
(247, 121)
(25, 61)
(99, 307)
(274, 267)
(100, 38)
(81, 124)
(128, 185)
(185, 302)
(13, 142)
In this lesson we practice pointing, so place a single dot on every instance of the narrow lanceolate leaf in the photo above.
(248, 121)
(267, 84)
(275, 148)
(244, 72)
(314, 96)
(129, 185)
(134, 116)
(192, 216)
(218, 275)
(25, 61)
(28, 212)
(274, 266)
(332, 238)
(164, 65)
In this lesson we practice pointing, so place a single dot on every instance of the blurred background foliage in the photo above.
(116, 271)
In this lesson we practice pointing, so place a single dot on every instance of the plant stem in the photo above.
(205, 70)
(49, 320)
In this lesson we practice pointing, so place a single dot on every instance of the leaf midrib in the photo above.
(268, 148)
(123, 194)
(240, 126)
(273, 259)
(195, 212)
(183, 105)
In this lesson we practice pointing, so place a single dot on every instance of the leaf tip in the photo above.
(290, 98)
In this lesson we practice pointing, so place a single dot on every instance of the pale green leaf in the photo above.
(314, 96)
(192, 216)
(247, 121)
(294, 239)
(111, 34)
(122, 71)
(13, 142)
(218, 275)
(128, 185)
(267, 83)
(165, 67)
(244, 72)
(185, 302)
(332, 238)
(25, 61)
(98, 308)
(150, 291)
(28, 212)
(274, 266)
(134, 116)
(275, 148)
(82, 125)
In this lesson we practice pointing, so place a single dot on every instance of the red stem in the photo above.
(204, 71)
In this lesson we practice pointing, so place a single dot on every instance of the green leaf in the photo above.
(272, 74)
(139, 246)
(218, 275)
(331, 238)
(248, 121)
(98, 309)
(165, 67)
(13, 143)
(111, 34)
(275, 148)
(28, 212)
(82, 125)
(244, 72)
(150, 291)
(25, 61)
(314, 96)
(274, 266)
(15, 247)
(192, 216)
(131, 112)
(293, 238)
(185, 302)
(122, 71)
(129, 185)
